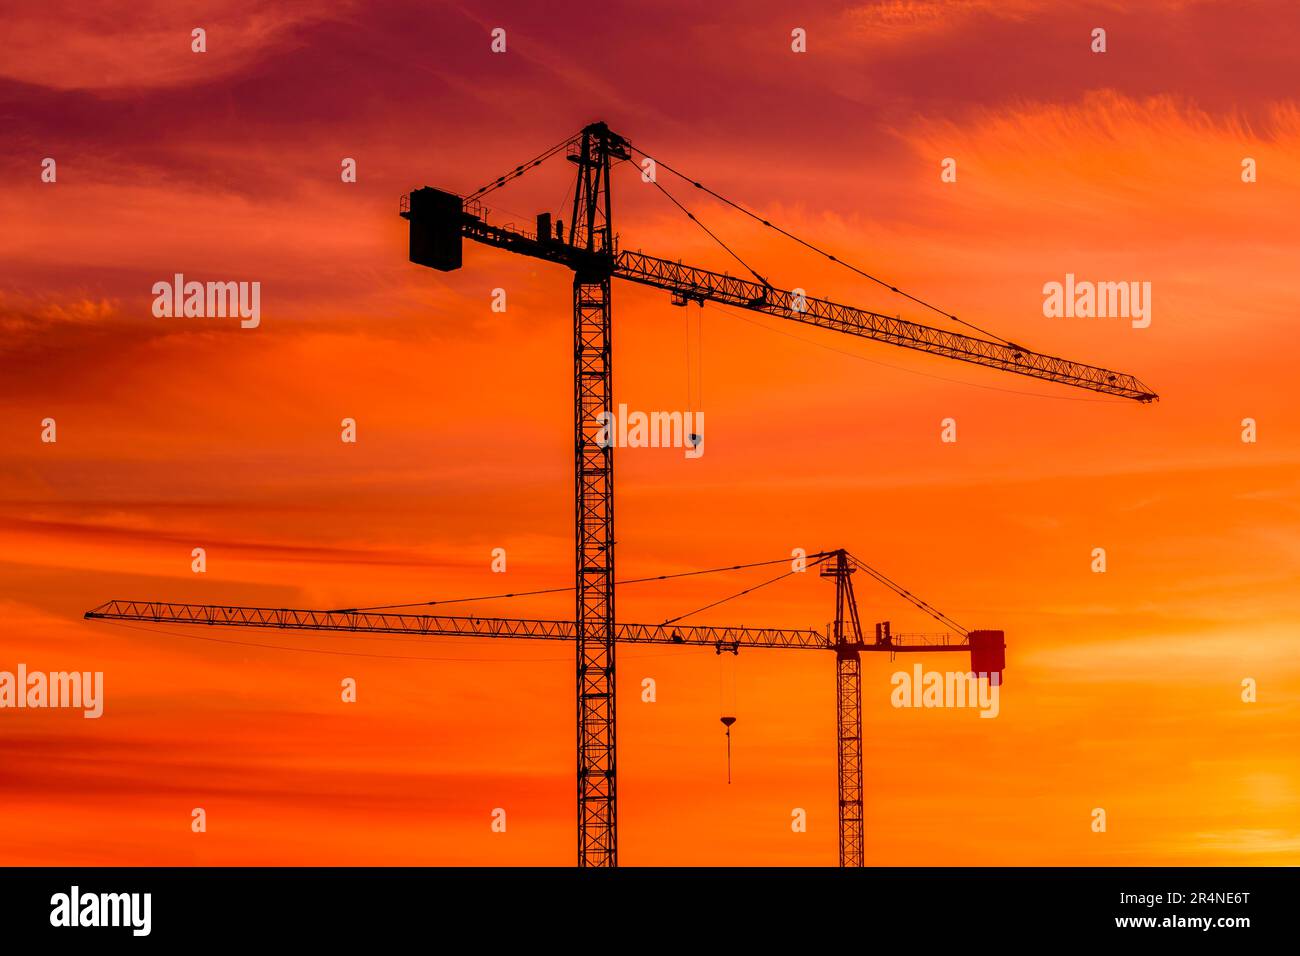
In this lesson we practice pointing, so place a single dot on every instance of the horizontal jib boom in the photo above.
(439, 625)
(702, 285)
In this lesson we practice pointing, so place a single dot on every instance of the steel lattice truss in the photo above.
(688, 283)
(724, 637)
(442, 625)
(703, 286)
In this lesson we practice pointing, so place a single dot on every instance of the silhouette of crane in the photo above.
(440, 221)
(843, 636)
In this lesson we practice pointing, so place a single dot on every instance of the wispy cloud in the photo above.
(136, 44)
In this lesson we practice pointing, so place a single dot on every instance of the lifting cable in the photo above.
(727, 698)
(689, 381)
(820, 555)
(808, 245)
(699, 356)
(695, 382)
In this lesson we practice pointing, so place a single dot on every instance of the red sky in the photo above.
(1123, 689)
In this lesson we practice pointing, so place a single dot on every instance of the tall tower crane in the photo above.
(843, 635)
(440, 221)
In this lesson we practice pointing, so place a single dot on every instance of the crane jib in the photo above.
(440, 221)
(987, 648)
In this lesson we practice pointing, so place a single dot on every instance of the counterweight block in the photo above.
(435, 218)
(988, 652)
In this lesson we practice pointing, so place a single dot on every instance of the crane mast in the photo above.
(593, 398)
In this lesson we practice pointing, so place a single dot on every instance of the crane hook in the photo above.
(727, 722)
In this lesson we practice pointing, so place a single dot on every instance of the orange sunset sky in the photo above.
(1123, 689)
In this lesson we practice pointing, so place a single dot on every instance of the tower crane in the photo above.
(843, 635)
(439, 223)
